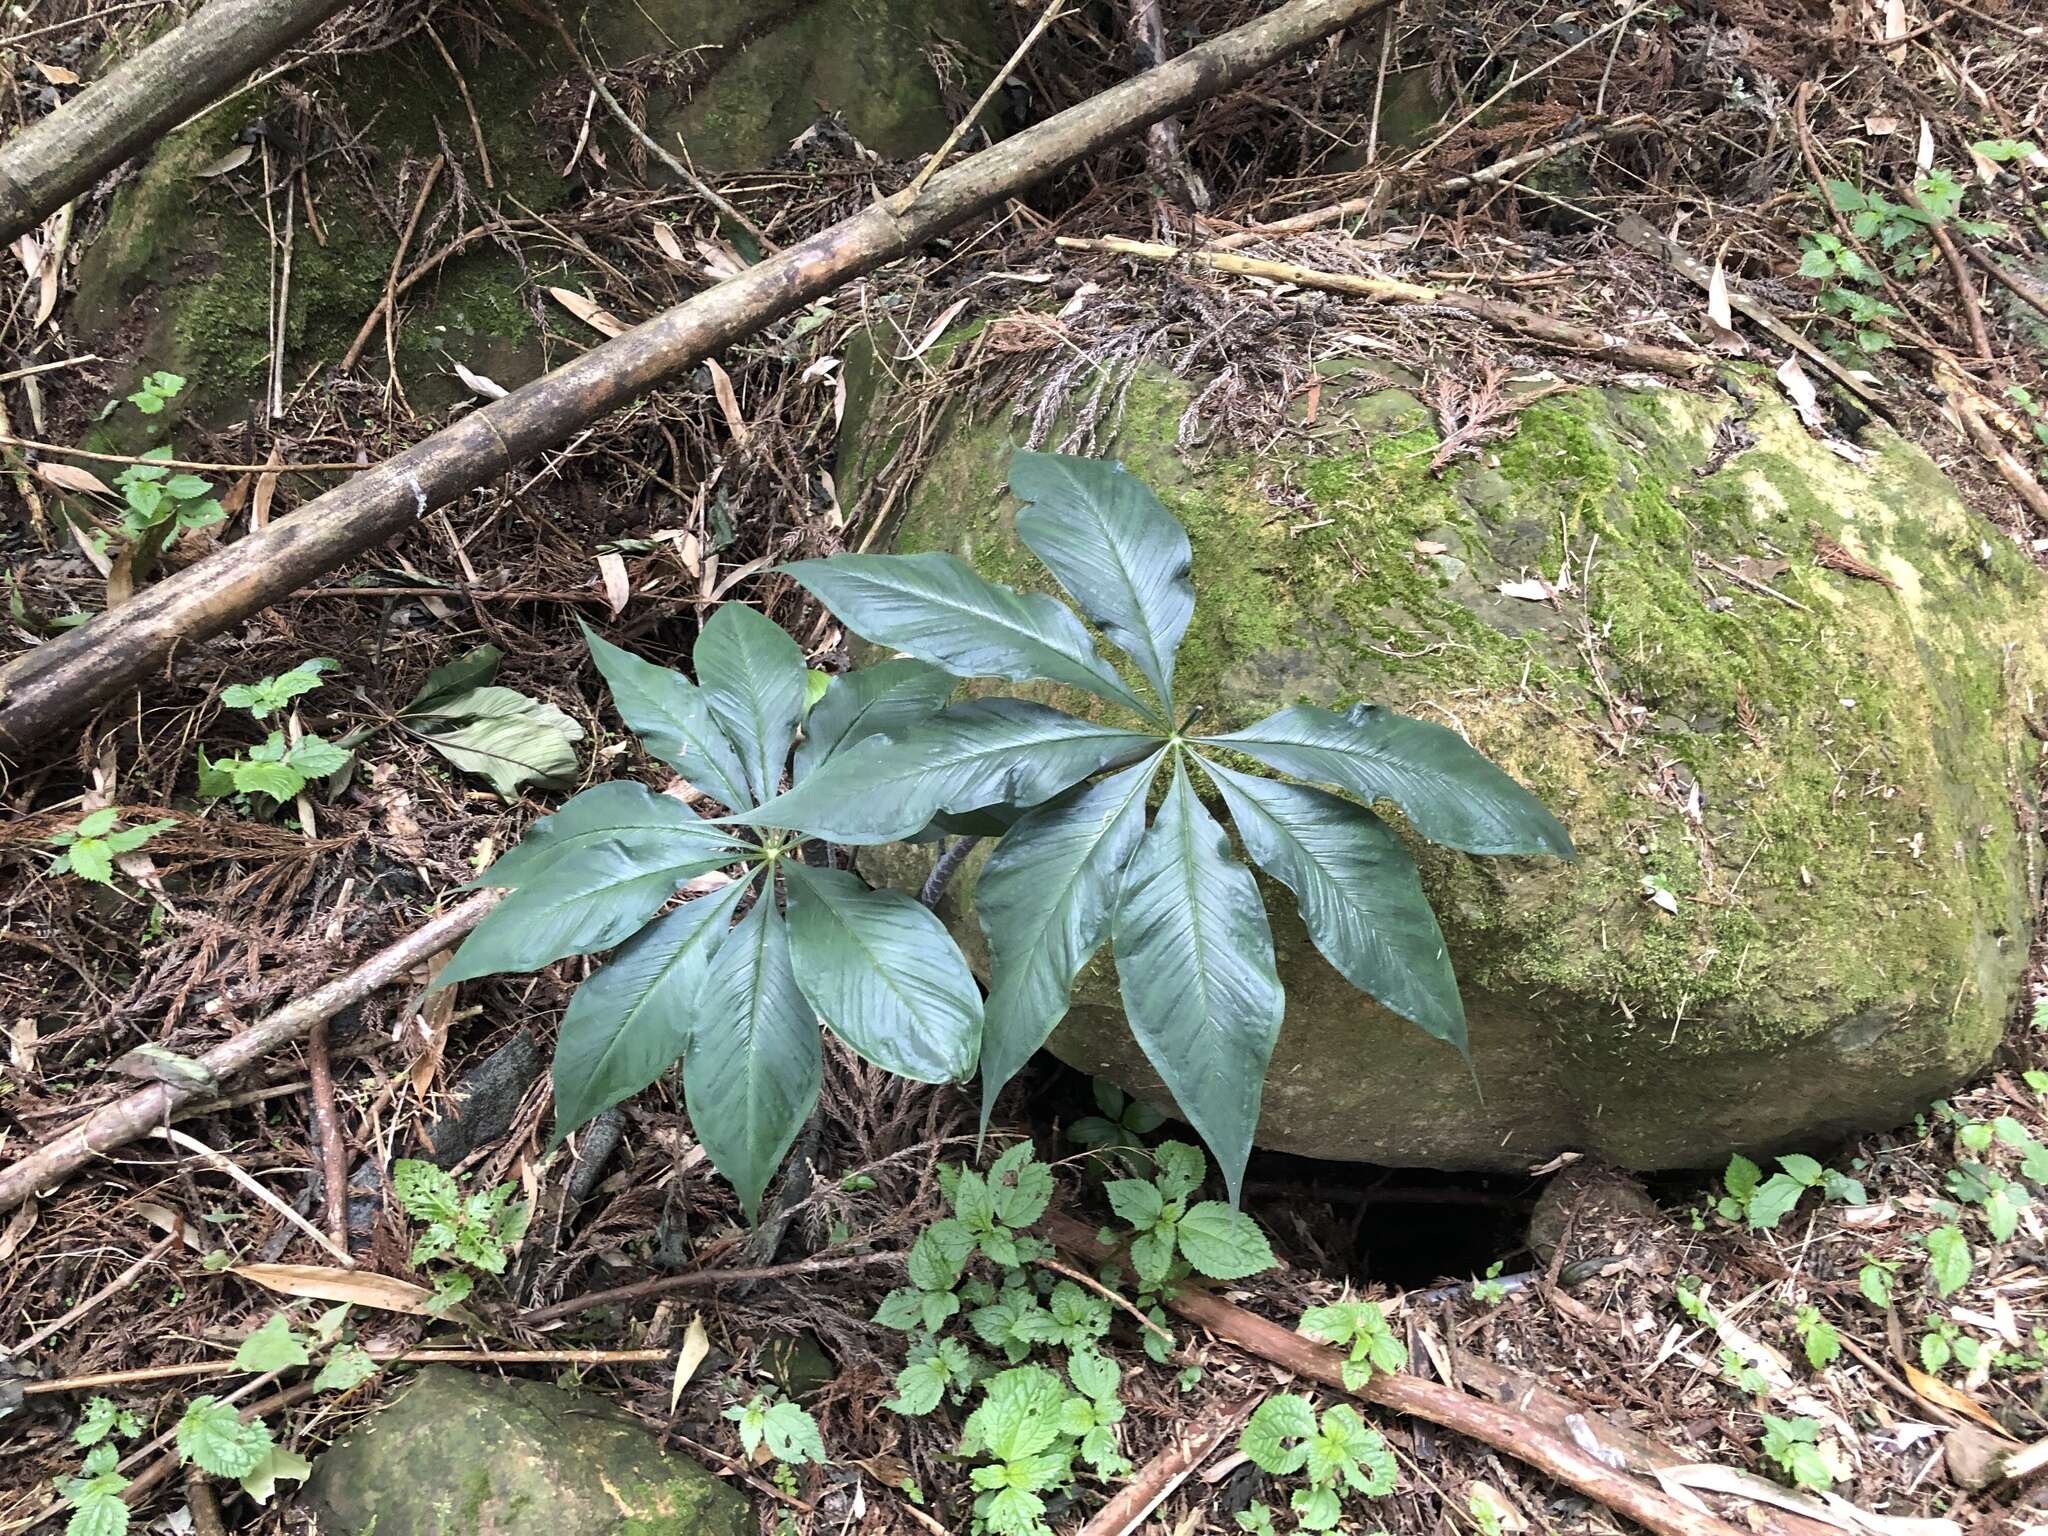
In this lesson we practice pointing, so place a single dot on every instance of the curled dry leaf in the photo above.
(481, 384)
(69, 477)
(589, 311)
(385, 1293)
(233, 160)
(618, 587)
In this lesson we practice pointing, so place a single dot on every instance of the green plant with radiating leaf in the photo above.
(89, 849)
(885, 758)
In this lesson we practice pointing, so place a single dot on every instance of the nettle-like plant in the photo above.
(884, 759)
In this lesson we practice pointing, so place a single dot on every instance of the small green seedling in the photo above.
(1876, 1280)
(279, 768)
(1944, 1343)
(1949, 1261)
(1118, 1132)
(1361, 1328)
(90, 848)
(1763, 1203)
(1794, 1444)
(1818, 1336)
(1340, 1451)
(155, 392)
(476, 1233)
(1210, 1237)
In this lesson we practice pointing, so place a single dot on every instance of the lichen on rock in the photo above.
(1819, 775)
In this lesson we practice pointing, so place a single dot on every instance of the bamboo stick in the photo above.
(63, 680)
(59, 156)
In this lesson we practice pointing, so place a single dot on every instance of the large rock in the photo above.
(181, 275)
(463, 1454)
(1829, 778)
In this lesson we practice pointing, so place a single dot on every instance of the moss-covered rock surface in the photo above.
(460, 1453)
(185, 272)
(1801, 795)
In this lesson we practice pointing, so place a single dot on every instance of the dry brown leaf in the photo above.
(480, 384)
(671, 247)
(618, 587)
(69, 477)
(266, 488)
(233, 160)
(436, 1014)
(1805, 398)
(1932, 1389)
(589, 311)
(322, 1282)
(936, 330)
(57, 74)
(19, 1226)
(696, 1345)
(728, 400)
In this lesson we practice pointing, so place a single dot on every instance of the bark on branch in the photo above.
(64, 680)
(135, 1115)
(1493, 1424)
(57, 157)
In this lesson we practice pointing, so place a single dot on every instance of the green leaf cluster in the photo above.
(1078, 863)
(267, 695)
(1207, 1237)
(1794, 1444)
(158, 504)
(475, 1232)
(1027, 1432)
(1974, 1180)
(785, 1428)
(1764, 1202)
(155, 391)
(1118, 1130)
(504, 737)
(1361, 1329)
(1818, 1336)
(1335, 1453)
(90, 848)
(278, 768)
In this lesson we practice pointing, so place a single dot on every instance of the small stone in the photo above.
(460, 1454)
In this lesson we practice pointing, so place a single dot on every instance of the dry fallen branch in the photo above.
(64, 680)
(1505, 314)
(54, 159)
(126, 1119)
(1500, 1427)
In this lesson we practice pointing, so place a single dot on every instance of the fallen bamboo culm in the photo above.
(64, 680)
(1501, 313)
(1492, 1424)
(57, 157)
(135, 1115)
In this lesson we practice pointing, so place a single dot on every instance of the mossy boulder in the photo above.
(183, 273)
(1803, 797)
(460, 1454)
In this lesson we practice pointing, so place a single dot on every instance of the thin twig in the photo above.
(1054, 9)
(386, 304)
(327, 1131)
(693, 1279)
(476, 128)
(66, 362)
(1151, 1483)
(128, 458)
(2012, 285)
(381, 1353)
(1105, 1293)
(113, 1287)
(227, 1165)
(1966, 291)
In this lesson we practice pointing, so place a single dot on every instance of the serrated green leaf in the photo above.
(316, 757)
(1019, 1413)
(883, 700)
(992, 751)
(1222, 1243)
(253, 776)
(1152, 1255)
(1020, 1185)
(91, 859)
(349, 1366)
(271, 1347)
(752, 678)
(425, 1192)
(1948, 1259)
(1195, 966)
(1450, 793)
(1121, 555)
(1136, 1201)
(1180, 1169)
(919, 1388)
(1276, 1436)
(883, 972)
(754, 1065)
(213, 1436)
(936, 608)
(631, 1021)
(1044, 901)
(1742, 1177)
(1359, 892)
(1773, 1200)
(97, 1508)
(671, 718)
(595, 895)
(1806, 1170)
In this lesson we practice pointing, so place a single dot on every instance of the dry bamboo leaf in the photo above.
(937, 329)
(233, 160)
(321, 1282)
(57, 74)
(69, 477)
(728, 400)
(589, 311)
(266, 488)
(1805, 398)
(696, 1345)
(618, 587)
(480, 384)
(1933, 1390)
(670, 246)
(18, 1227)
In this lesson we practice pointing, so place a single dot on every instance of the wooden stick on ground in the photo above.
(327, 1136)
(1491, 1424)
(1151, 1483)
(59, 156)
(64, 680)
(125, 1119)
(1503, 313)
